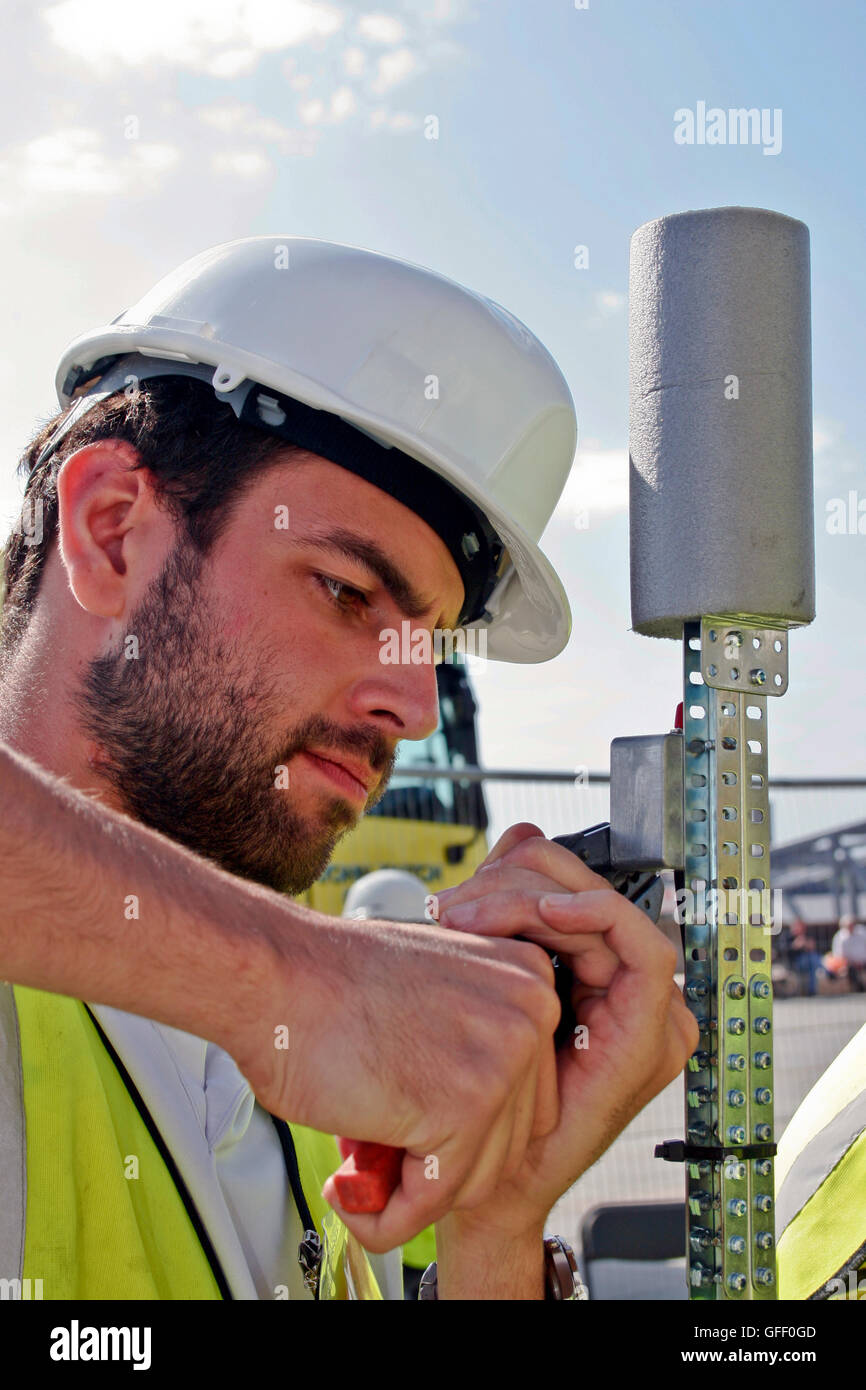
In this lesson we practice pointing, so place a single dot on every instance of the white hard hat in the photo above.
(388, 895)
(348, 340)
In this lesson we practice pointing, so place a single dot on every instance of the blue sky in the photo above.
(555, 129)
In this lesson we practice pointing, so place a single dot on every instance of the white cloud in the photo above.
(247, 164)
(610, 301)
(243, 121)
(381, 28)
(157, 158)
(824, 435)
(311, 112)
(220, 37)
(393, 68)
(354, 61)
(598, 482)
(441, 10)
(836, 463)
(233, 62)
(342, 103)
(380, 118)
(74, 162)
(64, 161)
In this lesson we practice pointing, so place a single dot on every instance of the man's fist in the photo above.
(637, 1032)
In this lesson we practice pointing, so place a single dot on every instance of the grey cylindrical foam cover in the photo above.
(721, 503)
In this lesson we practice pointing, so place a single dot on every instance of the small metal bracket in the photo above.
(646, 801)
(738, 656)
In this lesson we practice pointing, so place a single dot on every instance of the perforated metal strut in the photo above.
(726, 908)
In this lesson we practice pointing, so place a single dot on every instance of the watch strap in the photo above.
(562, 1281)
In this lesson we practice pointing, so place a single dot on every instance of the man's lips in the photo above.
(353, 778)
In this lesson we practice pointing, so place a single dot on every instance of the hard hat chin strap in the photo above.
(474, 547)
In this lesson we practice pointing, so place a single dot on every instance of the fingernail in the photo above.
(459, 916)
(556, 900)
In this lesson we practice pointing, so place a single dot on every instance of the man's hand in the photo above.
(415, 1037)
(640, 1033)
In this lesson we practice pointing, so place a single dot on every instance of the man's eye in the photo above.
(343, 596)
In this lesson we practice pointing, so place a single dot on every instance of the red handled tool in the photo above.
(369, 1175)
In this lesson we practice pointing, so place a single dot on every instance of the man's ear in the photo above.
(109, 526)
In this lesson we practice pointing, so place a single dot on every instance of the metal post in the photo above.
(727, 913)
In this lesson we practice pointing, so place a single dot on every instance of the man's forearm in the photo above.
(95, 906)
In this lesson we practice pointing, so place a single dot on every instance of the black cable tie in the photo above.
(676, 1151)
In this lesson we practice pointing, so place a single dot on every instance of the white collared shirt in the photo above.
(228, 1152)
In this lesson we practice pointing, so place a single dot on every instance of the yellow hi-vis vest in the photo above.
(821, 1185)
(88, 1231)
(420, 1252)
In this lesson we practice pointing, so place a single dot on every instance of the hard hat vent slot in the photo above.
(269, 410)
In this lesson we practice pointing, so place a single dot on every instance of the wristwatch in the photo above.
(561, 1275)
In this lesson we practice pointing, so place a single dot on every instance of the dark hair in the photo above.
(199, 455)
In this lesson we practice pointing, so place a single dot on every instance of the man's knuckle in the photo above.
(552, 1012)
(521, 1029)
(531, 853)
(612, 902)
(536, 979)
(492, 872)
(484, 1095)
(544, 1004)
(665, 954)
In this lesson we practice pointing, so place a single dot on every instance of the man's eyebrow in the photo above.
(373, 558)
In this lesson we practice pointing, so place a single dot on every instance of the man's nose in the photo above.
(401, 696)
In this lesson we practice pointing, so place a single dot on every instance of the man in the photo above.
(804, 954)
(849, 944)
(285, 451)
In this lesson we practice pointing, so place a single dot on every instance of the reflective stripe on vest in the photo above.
(821, 1183)
(104, 1218)
(13, 1168)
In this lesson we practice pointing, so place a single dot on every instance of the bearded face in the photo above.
(198, 743)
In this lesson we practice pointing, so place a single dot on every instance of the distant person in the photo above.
(849, 944)
(805, 957)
